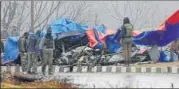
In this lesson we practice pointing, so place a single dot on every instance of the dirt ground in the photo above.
(8, 81)
(160, 64)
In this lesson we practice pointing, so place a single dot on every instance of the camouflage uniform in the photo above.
(22, 45)
(47, 46)
(1, 49)
(1, 46)
(174, 49)
(126, 35)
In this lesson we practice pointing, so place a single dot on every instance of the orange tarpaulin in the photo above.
(93, 41)
(91, 36)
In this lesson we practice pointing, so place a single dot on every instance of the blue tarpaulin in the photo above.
(112, 42)
(161, 37)
(11, 50)
(168, 32)
(165, 56)
(113, 45)
(65, 25)
(147, 38)
(58, 26)
(97, 29)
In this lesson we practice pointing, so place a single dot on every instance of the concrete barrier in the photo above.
(102, 69)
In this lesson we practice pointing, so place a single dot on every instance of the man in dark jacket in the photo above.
(126, 38)
(33, 52)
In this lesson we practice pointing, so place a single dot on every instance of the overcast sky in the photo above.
(162, 9)
(142, 14)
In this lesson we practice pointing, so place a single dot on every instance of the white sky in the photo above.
(159, 11)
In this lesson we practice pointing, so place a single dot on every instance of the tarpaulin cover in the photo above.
(167, 32)
(163, 35)
(65, 25)
(96, 35)
(113, 45)
(11, 50)
(58, 26)
(165, 56)
(113, 42)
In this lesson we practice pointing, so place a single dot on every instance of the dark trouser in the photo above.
(127, 46)
(32, 62)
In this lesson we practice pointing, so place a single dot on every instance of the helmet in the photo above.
(126, 20)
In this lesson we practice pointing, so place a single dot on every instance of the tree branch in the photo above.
(48, 15)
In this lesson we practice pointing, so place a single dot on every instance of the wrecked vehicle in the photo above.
(79, 44)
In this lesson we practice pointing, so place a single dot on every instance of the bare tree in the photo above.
(9, 13)
(52, 10)
(139, 12)
(96, 20)
(13, 14)
(17, 13)
(79, 11)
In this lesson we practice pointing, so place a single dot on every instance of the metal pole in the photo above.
(32, 15)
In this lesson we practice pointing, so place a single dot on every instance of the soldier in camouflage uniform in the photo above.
(174, 49)
(32, 47)
(47, 45)
(1, 49)
(126, 36)
(22, 45)
(1, 46)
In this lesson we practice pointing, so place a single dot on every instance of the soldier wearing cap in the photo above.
(47, 45)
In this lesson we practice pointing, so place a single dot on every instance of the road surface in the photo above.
(122, 80)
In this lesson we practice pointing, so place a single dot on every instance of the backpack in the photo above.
(128, 30)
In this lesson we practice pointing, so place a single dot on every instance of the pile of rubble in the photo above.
(85, 55)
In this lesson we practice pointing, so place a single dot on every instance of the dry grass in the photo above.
(10, 82)
(161, 64)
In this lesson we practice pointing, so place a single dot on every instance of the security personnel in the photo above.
(47, 45)
(32, 47)
(126, 37)
(174, 49)
(39, 54)
(1, 49)
(22, 45)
